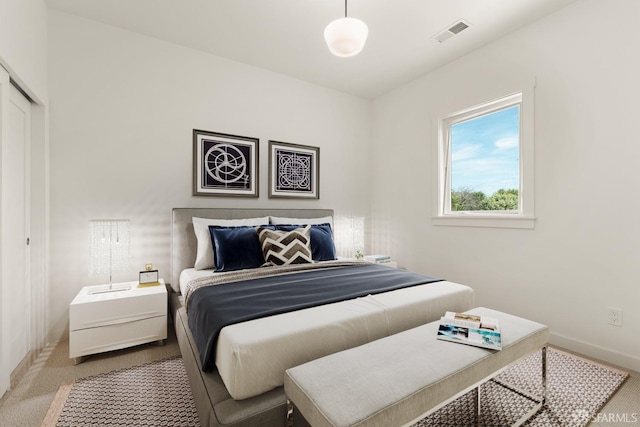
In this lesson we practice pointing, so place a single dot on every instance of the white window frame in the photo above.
(524, 216)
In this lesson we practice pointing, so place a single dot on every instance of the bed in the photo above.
(241, 384)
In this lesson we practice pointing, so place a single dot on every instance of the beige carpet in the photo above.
(26, 404)
(60, 399)
(154, 394)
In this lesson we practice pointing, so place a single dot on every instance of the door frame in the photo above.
(9, 94)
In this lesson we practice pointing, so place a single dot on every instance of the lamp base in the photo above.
(109, 288)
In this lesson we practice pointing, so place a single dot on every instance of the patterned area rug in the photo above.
(576, 390)
(158, 394)
(155, 394)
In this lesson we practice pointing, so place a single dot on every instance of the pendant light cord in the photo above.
(345, 8)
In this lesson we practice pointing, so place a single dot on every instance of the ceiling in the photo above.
(286, 36)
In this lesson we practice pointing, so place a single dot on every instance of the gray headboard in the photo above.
(183, 239)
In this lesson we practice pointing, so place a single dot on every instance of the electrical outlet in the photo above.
(615, 316)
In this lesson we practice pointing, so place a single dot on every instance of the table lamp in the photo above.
(108, 252)
(349, 236)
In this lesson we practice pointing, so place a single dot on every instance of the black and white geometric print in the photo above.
(294, 171)
(226, 165)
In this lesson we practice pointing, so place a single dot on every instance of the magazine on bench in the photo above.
(480, 331)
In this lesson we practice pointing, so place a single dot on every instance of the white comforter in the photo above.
(252, 356)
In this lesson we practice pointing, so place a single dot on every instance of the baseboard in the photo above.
(22, 368)
(620, 359)
(56, 336)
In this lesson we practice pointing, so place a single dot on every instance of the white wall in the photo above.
(23, 44)
(122, 113)
(582, 256)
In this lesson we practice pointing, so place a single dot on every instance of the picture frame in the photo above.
(294, 171)
(225, 165)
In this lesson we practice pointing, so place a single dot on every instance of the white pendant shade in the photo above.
(346, 36)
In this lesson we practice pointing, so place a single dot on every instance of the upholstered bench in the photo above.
(401, 378)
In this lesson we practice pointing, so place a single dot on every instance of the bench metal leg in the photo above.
(478, 409)
(544, 375)
(540, 400)
(289, 422)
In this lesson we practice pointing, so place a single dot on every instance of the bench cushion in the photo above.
(395, 380)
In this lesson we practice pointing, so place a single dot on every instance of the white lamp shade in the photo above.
(349, 235)
(108, 247)
(346, 36)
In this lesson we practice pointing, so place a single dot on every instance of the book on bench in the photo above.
(479, 331)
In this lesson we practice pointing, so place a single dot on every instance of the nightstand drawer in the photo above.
(117, 336)
(104, 321)
(108, 310)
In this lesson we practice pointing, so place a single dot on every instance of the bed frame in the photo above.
(215, 406)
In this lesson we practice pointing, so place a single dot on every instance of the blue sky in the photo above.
(485, 152)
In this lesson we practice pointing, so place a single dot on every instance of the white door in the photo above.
(15, 121)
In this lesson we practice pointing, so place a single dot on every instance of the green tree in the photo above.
(501, 200)
(465, 199)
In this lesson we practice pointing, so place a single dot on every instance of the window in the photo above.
(485, 165)
(482, 148)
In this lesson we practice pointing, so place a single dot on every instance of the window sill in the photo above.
(493, 221)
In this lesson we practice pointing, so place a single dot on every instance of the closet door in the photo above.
(16, 290)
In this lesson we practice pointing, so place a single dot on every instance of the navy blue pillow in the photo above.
(322, 246)
(235, 248)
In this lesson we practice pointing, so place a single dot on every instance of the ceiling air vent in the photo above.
(454, 29)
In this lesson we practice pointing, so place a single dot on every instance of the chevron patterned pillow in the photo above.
(286, 247)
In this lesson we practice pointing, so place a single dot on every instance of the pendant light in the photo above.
(346, 36)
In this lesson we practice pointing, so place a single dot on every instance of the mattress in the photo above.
(189, 274)
(252, 357)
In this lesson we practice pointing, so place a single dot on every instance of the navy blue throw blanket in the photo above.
(214, 307)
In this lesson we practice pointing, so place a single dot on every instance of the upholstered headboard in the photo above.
(183, 238)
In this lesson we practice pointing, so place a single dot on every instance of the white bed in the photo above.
(189, 274)
(251, 357)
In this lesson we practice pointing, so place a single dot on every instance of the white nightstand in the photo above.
(392, 264)
(114, 320)
(382, 260)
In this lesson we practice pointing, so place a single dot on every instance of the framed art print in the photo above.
(224, 165)
(294, 170)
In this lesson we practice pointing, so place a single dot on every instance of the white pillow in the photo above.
(204, 254)
(277, 220)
